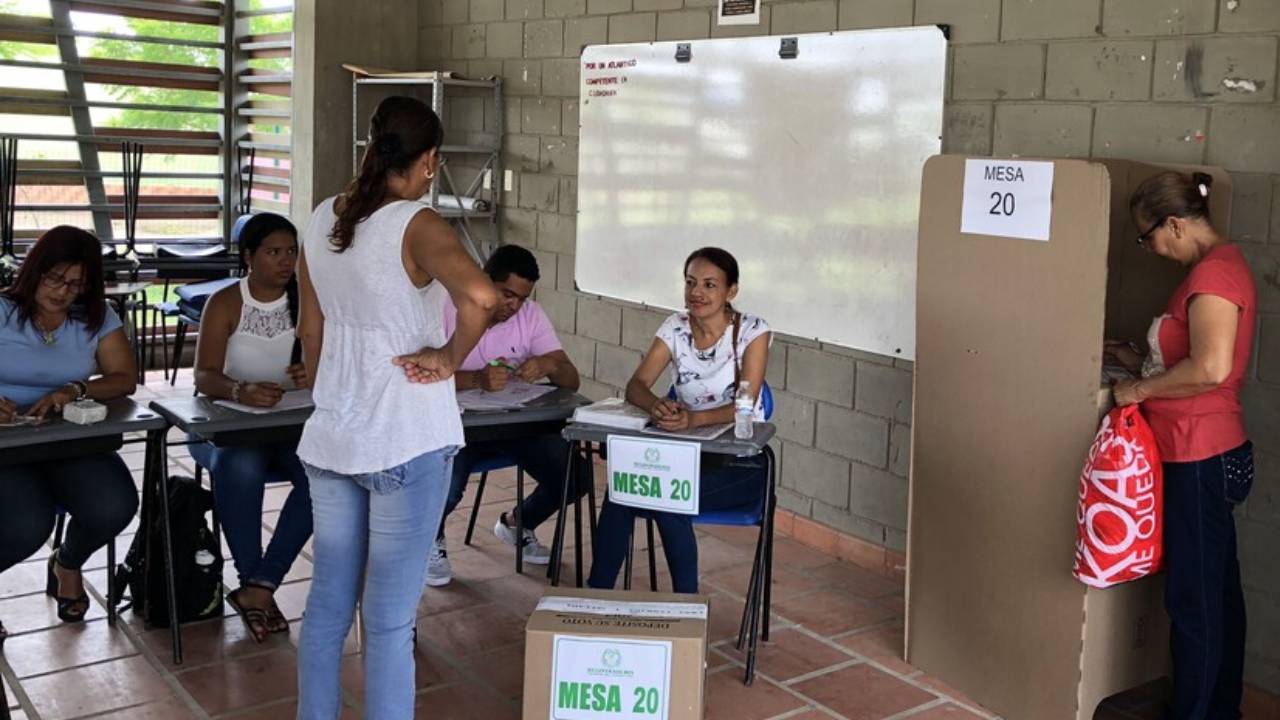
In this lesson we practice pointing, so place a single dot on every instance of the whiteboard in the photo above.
(808, 170)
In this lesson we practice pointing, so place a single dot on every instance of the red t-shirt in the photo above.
(1211, 423)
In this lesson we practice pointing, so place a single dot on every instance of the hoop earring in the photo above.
(431, 176)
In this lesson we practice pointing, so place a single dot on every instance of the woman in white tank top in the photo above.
(376, 269)
(248, 352)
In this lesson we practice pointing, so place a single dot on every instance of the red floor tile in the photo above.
(211, 641)
(243, 683)
(792, 554)
(456, 595)
(171, 709)
(862, 692)
(786, 584)
(38, 612)
(22, 579)
(883, 645)
(855, 580)
(728, 699)
(828, 612)
(473, 630)
(946, 712)
(66, 646)
(503, 669)
(465, 702)
(790, 654)
(95, 689)
(284, 711)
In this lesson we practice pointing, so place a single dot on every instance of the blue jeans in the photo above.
(727, 483)
(543, 457)
(240, 475)
(1202, 587)
(372, 536)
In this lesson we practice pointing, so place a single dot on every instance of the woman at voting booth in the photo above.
(717, 354)
(1197, 360)
(62, 343)
(376, 267)
(248, 353)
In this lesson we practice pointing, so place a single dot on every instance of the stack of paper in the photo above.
(612, 412)
(292, 400)
(514, 395)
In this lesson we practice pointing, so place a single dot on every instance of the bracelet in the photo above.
(82, 389)
(235, 391)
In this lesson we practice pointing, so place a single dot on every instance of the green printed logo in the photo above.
(611, 658)
(651, 455)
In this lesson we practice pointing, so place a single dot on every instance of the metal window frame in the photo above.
(236, 107)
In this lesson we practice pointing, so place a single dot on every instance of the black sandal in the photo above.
(255, 619)
(70, 610)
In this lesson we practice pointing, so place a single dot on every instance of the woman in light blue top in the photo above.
(59, 343)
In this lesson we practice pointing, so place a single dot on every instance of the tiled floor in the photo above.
(835, 649)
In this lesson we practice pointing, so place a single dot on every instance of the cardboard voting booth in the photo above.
(1024, 268)
(596, 654)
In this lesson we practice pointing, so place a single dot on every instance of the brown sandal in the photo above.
(279, 623)
(256, 620)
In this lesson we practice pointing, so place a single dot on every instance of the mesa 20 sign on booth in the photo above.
(654, 474)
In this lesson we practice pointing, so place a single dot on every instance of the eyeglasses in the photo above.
(1144, 237)
(58, 282)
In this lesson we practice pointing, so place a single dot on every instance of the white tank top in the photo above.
(259, 350)
(368, 416)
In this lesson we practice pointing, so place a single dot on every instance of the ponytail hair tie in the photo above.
(1203, 182)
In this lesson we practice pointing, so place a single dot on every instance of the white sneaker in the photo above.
(535, 553)
(439, 571)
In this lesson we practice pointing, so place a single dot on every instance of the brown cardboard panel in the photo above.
(688, 639)
(1126, 640)
(1007, 367)
(1006, 403)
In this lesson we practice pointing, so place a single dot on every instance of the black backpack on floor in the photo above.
(197, 561)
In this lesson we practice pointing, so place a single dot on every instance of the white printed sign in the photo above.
(1007, 198)
(600, 677)
(620, 608)
(655, 474)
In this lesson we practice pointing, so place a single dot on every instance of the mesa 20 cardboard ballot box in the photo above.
(596, 654)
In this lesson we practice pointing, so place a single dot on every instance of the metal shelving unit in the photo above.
(465, 207)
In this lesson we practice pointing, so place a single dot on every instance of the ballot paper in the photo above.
(292, 400)
(705, 433)
(515, 394)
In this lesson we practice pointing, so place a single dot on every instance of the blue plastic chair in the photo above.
(756, 512)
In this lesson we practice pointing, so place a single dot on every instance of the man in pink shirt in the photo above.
(520, 344)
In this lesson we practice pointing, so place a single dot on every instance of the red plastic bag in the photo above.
(1120, 515)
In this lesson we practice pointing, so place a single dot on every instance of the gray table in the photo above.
(220, 425)
(759, 591)
(123, 416)
(726, 444)
(224, 427)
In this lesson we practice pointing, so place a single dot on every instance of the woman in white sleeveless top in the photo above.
(247, 352)
(376, 269)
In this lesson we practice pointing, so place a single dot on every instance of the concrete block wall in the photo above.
(1156, 80)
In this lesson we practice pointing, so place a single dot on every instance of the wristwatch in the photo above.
(235, 391)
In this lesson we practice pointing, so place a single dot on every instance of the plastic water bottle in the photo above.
(744, 408)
